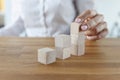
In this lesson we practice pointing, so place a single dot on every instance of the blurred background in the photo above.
(110, 9)
(2, 8)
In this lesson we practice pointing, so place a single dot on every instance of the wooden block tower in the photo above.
(62, 45)
(77, 40)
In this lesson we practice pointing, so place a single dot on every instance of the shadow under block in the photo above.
(78, 44)
(63, 41)
(63, 53)
(46, 55)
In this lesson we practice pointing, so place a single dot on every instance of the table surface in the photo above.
(18, 61)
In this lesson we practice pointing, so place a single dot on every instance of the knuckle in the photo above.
(89, 11)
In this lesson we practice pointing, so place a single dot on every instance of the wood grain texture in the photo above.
(18, 61)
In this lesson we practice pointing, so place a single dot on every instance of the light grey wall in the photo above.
(7, 12)
(111, 11)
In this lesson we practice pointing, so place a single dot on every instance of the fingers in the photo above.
(96, 25)
(98, 18)
(97, 32)
(86, 14)
(95, 21)
(90, 33)
(101, 26)
(93, 24)
(92, 37)
(97, 29)
(83, 27)
(85, 17)
(101, 35)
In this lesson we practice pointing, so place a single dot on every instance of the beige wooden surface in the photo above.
(18, 61)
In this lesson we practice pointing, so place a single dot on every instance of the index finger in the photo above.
(87, 14)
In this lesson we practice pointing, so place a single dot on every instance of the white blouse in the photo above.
(44, 18)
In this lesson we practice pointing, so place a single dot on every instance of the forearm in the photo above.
(13, 29)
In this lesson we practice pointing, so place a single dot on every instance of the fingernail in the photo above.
(84, 27)
(77, 20)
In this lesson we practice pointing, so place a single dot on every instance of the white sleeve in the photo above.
(13, 29)
(83, 5)
(16, 26)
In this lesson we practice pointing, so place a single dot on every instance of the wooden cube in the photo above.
(81, 44)
(74, 39)
(63, 53)
(62, 41)
(46, 55)
(78, 44)
(74, 50)
(75, 28)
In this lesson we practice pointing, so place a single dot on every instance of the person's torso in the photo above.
(47, 18)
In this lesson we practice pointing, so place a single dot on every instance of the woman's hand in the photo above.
(93, 24)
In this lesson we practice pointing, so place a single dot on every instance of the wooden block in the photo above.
(75, 28)
(63, 41)
(74, 39)
(81, 44)
(74, 44)
(63, 53)
(78, 44)
(46, 55)
(74, 50)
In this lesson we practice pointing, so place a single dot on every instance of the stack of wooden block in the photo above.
(77, 40)
(61, 51)
(65, 45)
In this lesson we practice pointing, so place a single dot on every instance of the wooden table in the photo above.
(18, 61)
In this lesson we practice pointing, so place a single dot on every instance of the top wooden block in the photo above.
(75, 28)
(63, 41)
